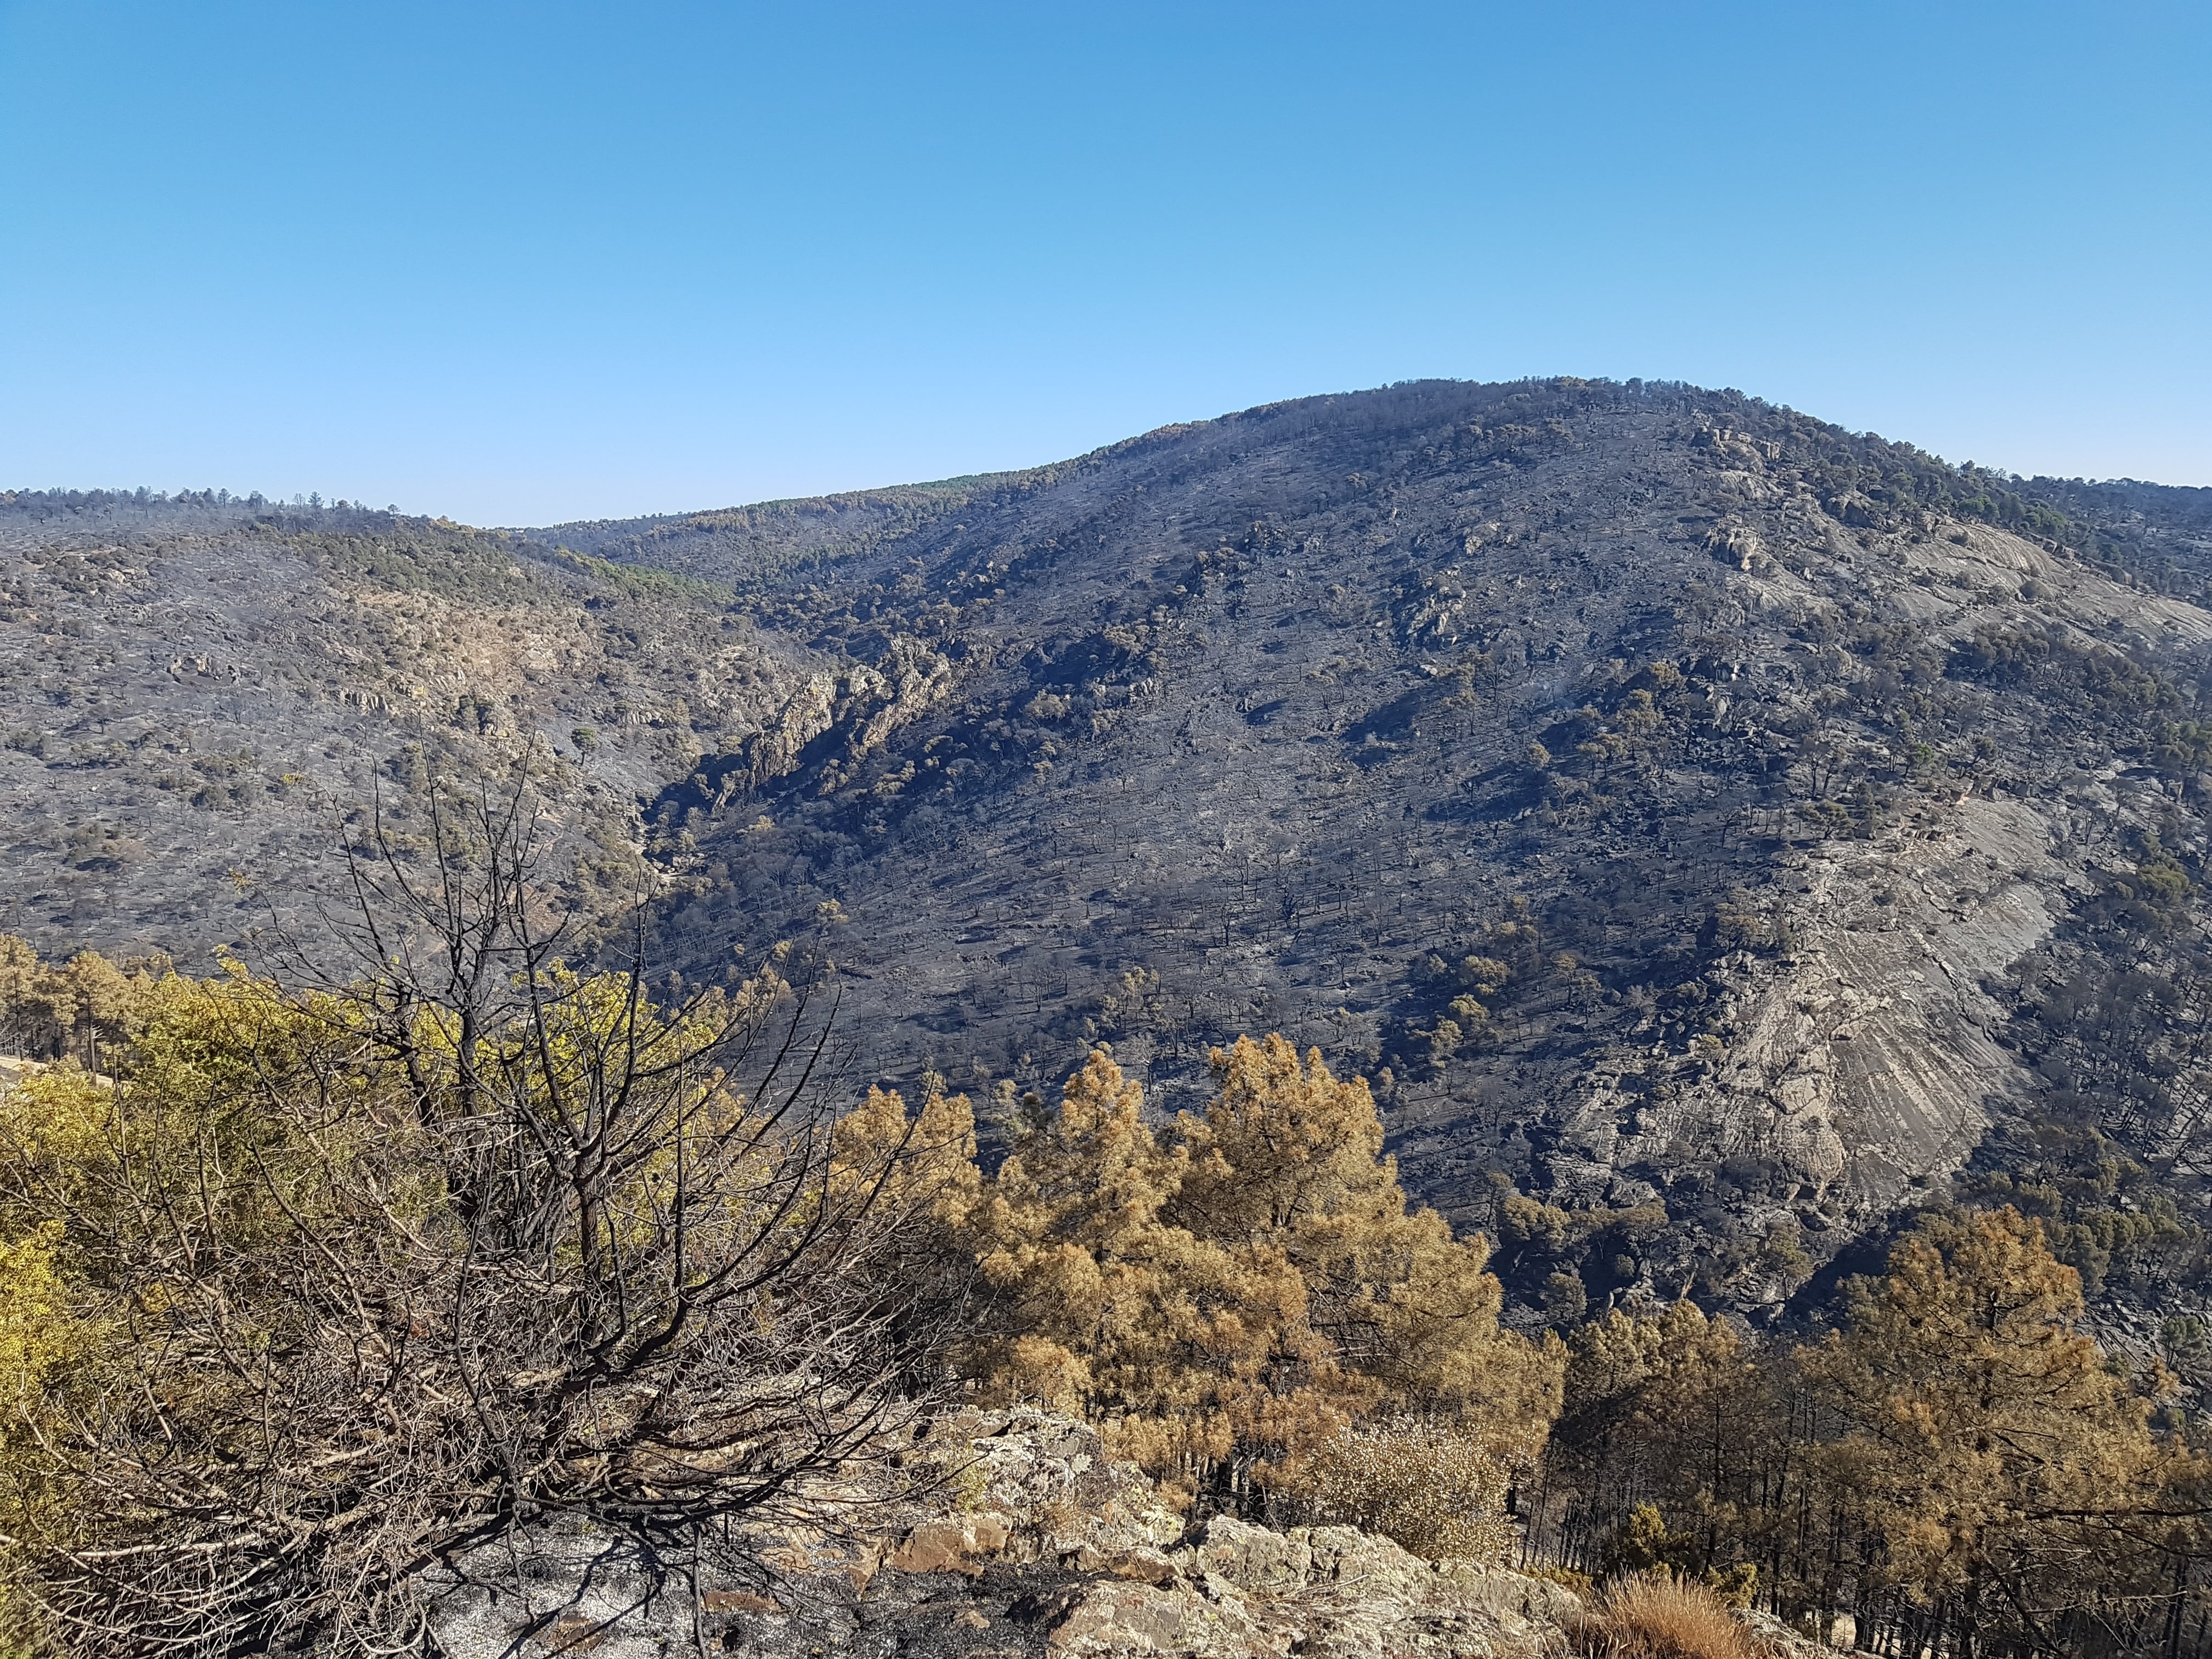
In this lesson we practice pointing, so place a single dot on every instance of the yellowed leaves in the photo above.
(1436, 1488)
(36, 1330)
(1247, 1289)
(1986, 1430)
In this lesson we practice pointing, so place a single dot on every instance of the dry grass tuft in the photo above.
(1652, 1616)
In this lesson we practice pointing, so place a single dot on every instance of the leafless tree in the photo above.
(463, 1242)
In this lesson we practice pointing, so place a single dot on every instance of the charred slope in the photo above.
(1711, 828)
(1651, 787)
(768, 546)
(195, 690)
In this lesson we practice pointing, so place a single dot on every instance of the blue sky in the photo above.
(519, 263)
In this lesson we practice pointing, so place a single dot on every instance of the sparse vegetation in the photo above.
(275, 1194)
(331, 1283)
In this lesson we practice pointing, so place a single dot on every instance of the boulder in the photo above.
(952, 1543)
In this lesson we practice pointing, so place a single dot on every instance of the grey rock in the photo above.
(1046, 1565)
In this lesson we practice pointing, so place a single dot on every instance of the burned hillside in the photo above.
(1663, 795)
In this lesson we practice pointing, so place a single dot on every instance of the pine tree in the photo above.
(1670, 1450)
(1999, 1464)
(1101, 1306)
(1288, 1160)
(1232, 1302)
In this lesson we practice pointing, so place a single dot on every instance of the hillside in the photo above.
(196, 690)
(1675, 801)
(1711, 828)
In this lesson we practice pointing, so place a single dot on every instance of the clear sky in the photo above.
(524, 263)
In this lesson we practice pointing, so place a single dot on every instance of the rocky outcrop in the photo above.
(873, 700)
(1047, 1549)
(1867, 1059)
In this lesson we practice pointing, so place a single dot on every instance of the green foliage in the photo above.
(431, 556)
(310, 1263)
(2103, 1213)
(646, 582)
(1565, 1298)
(1783, 1255)
(1641, 1543)
(2054, 665)
(2186, 1342)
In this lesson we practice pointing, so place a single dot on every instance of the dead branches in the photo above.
(379, 1270)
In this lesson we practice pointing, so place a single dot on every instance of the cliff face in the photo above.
(1863, 1061)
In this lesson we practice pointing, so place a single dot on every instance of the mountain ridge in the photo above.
(1682, 808)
